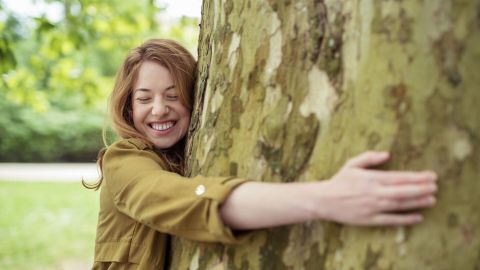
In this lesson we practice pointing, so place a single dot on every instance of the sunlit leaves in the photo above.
(7, 61)
(57, 73)
(20, 84)
(8, 35)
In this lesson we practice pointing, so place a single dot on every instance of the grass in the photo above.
(44, 225)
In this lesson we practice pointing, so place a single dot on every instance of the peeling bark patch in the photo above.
(397, 98)
(207, 145)
(448, 51)
(245, 265)
(275, 53)
(330, 58)
(400, 236)
(228, 7)
(321, 97)
(404, 33)
(371, 259)
(217, 100)
(232, 56)
(468, 233)
(452, 220)
(194, 262)
(460, 146)
(316, 260)
(392, 27)
(462, 149)
(274, 126)
(306, 247)
(236, 112)
(439, 107)
(271, 252)
(373, 140)
(233, 168)
(272, 97)
(301, 152)
(317, 17)
(379, 23)
(216, 13)
(273, 156)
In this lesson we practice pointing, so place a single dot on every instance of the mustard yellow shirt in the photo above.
(141, 204)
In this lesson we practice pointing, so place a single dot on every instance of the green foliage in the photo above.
(56, 74)
(49, 135)
(8, 35)
(44, 225)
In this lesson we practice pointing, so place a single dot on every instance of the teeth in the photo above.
(163, 126)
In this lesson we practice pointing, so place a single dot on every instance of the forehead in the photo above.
(153, 76)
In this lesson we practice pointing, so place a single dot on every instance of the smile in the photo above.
(162, 126)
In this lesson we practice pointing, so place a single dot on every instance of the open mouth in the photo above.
(162, 126)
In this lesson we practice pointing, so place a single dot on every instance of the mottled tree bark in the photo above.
(288, 90)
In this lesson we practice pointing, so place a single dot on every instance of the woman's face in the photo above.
(157, 111)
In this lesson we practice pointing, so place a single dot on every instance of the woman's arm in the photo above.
(355, 195)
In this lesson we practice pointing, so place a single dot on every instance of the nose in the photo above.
(159, 108)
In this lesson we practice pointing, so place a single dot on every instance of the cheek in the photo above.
(183, 112)
(138, 114)
(187, 116)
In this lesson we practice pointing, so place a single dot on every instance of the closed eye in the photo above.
(143, 99)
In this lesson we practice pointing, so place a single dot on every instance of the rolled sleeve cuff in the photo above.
(218, 189)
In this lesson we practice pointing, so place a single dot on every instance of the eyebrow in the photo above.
(149, 90)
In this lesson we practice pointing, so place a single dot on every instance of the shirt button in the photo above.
(200, 190)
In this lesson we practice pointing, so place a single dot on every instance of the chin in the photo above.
(163, 145)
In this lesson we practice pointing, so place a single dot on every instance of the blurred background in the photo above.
(58, 60)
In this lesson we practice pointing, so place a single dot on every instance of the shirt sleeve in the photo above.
(166, 201)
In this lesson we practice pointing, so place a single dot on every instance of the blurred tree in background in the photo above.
(56, 74)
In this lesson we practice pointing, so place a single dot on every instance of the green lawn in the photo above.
(46, 225)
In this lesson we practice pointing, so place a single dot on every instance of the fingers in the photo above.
(368, 159)
(400, 205)
(402, 177)
(396, 219)
(408, 191)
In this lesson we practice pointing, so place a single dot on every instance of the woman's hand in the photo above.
(357, 195)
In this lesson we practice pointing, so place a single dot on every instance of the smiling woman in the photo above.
(158, 113)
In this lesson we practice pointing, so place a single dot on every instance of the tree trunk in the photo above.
(288, 90)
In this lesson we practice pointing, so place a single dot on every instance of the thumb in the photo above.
(368, 159)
